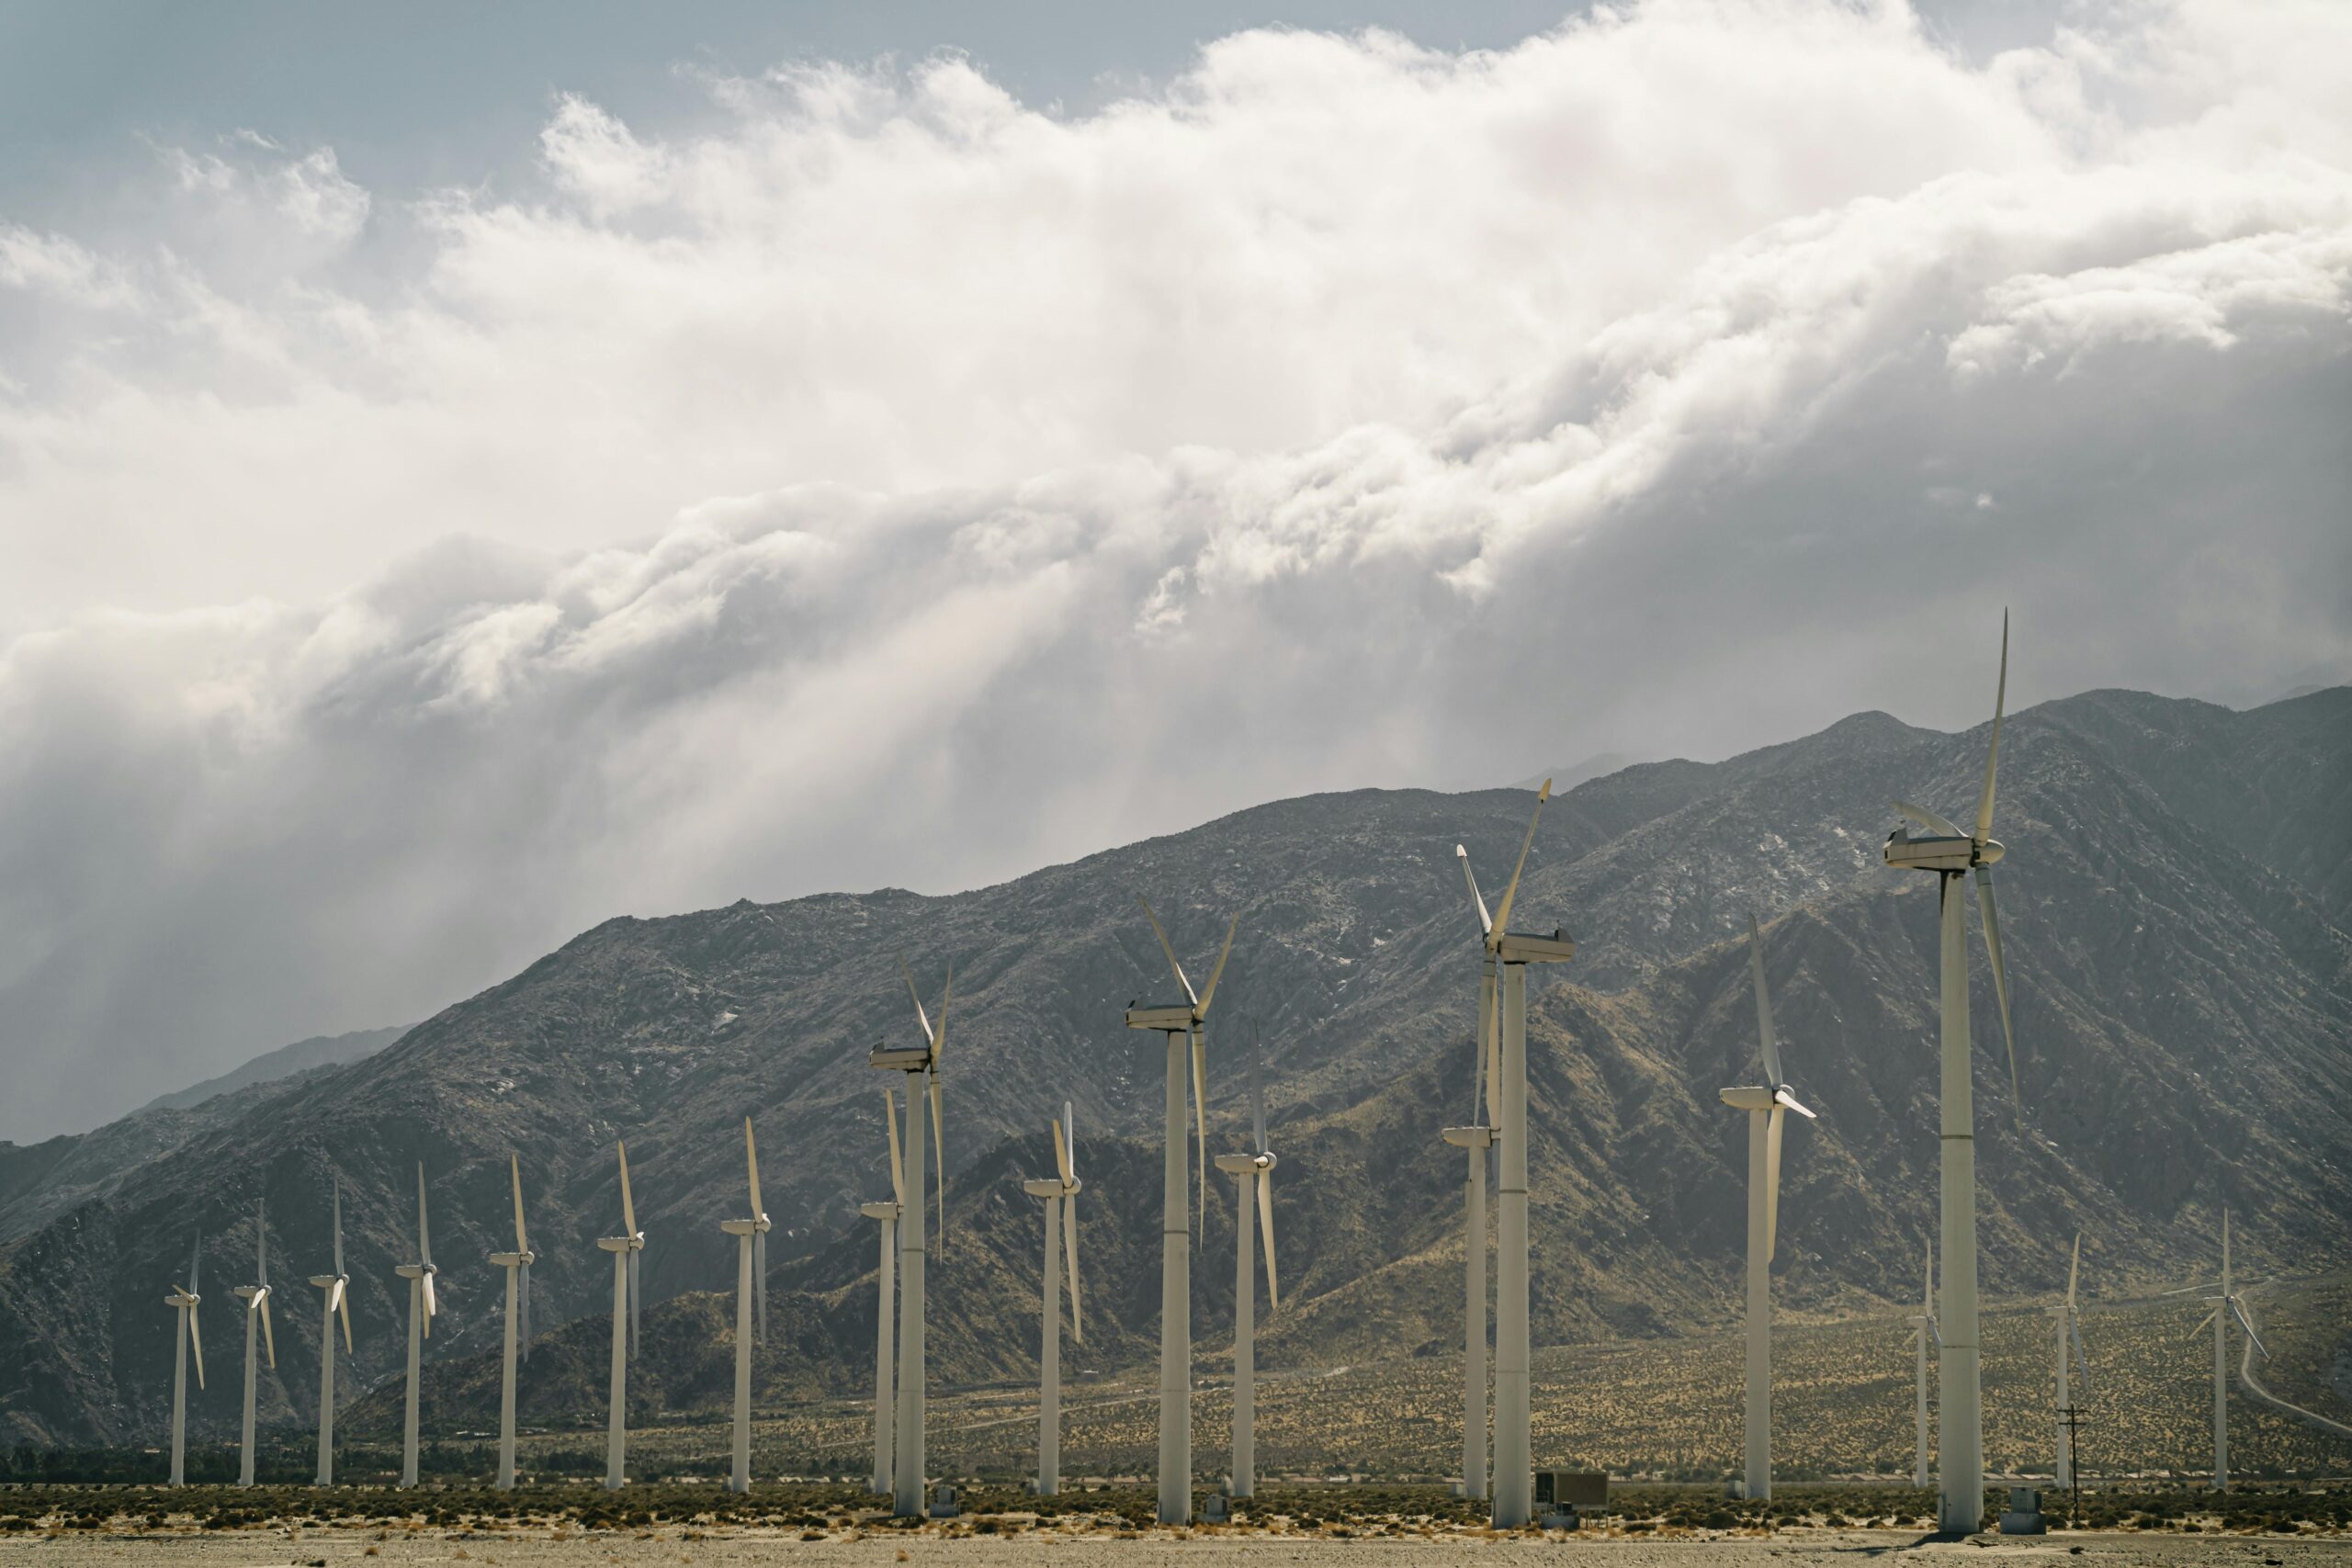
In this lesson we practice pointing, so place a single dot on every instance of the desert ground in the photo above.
(694, 1548)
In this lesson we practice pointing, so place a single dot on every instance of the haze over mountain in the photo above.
(2175, 904)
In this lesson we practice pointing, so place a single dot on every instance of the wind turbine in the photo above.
(1511, 953)
(626, 1249)
(1060, 1193)
(885, 1393)
(1250, 1171)
(2226, 1305)
(907, 1500)
(421, 1306)
(337, 1296)
(1953, 855)
(1767, 1106)
(1476, 1138)
(517, 1265)
(751, 1280)
(2070, 1342)
(183, 1300)
(1923, 1333)
(256, 1299)
(1180, 1023)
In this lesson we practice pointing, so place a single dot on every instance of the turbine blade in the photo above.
(1257, 1095)
(522, 1290)
(1061, 1154)
(2201, 1327)
(636, 1301)
(424, 1229)
(515, 1170)
(338, 1222)
(1486, 921)
(2000, 985)
(1934, 824)
(1069, 1251)
(1763, 1006)
(195, 1262)
(1165, 948)
(1201, 1010)
(1927, 1293)
(431, 1305)
(2081, 1360)
(260, 1243)
(269, 1334)
(1266, 1219)
(939, 1040)
(751, 1160)
(1993, 752)
(922, 1017)
(759, 1278)
(1493, 1025)
(342, 1310)
(939, 1152)
(2237, 1311)
(629, 1205)
(195, 1343)
(1200, 1130)
(334, 1295)
(1783, 1098)
(1772, 1122)
(1510, 889)
(897, 1166)
(2073, 1271)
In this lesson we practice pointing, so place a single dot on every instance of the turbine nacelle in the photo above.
(513, 1259)
(879, 1211)
(1481, 1137)
(1177, 1020)
(1939, 851)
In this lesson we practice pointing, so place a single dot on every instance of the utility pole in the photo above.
(2074, 1446)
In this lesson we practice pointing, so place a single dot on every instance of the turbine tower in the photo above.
(336, 1289)
(1180, 1023)
(421, 1309)
(1923, 1333)
(906, 1462)
(183, 1300)
(626, 1249)
(2226, 1305)
(1477, 1139)
(1767, 1106)
(885, 1392)
(1060, 1193)
(1511, 953)
(751, 1282)
(1250, 1170)
(2070, 1342)
(517, 1265)
(256, 1299)
(1953, 855)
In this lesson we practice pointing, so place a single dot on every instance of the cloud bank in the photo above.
(887, 482)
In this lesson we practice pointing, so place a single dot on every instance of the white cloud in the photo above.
(892, 482)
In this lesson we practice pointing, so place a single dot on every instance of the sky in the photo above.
(467, 473)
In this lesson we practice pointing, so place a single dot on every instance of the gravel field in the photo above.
(346, 1549)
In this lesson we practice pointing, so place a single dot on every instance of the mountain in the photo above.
(2173, 913)
(39, 1181)
(303, 1056)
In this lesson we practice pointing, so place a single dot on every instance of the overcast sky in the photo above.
(467, 474)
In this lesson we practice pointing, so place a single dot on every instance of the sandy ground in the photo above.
(1848, 1548)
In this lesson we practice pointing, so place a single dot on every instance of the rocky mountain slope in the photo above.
(2174, 907)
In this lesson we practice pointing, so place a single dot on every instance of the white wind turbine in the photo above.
(1060, 1193)
(1767, 1106)
(1953, 855)
(336, 1289)
(2070, 1344)
(751, 1281)
(517, 1265)
(907, 1463)
(626, 1249)
(2226, 1305)
(1180, 1023)
(1250, 1212)
(256, 1299)
(1923, 1334)
(421, 1306)
(885, 1390)
(1512, 952)
(182, 1301)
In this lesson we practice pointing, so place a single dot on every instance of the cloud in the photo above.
(887, 482)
